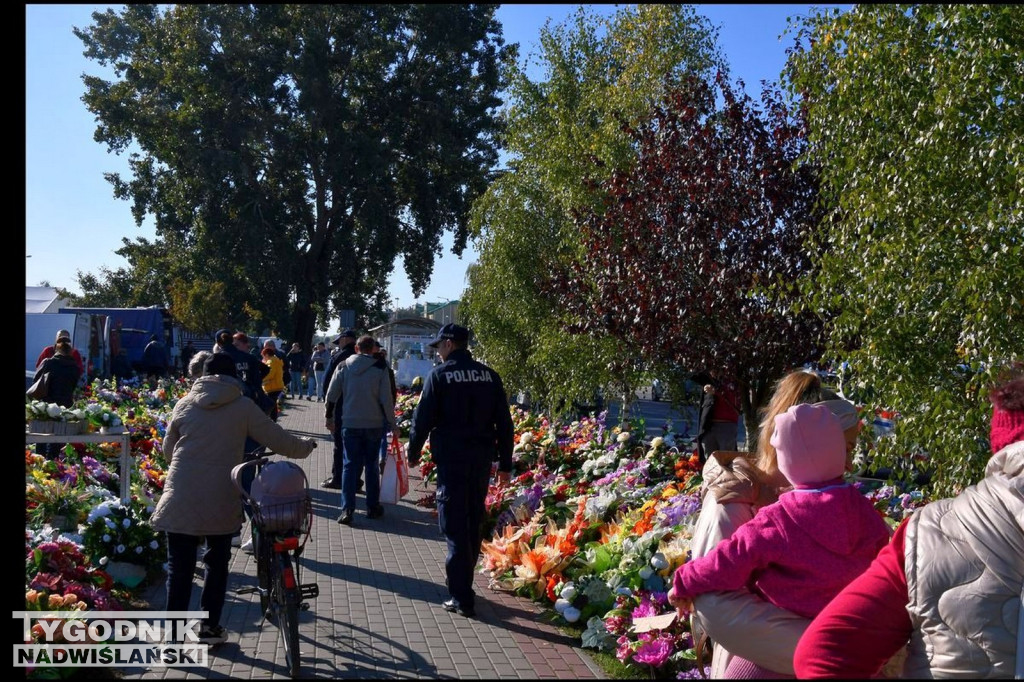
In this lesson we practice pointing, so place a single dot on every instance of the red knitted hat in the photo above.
(1007, 414)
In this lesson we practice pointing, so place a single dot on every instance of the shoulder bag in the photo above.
(40, 388)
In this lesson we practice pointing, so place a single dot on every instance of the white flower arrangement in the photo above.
(42, 411)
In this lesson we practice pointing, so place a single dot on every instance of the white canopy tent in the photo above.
(43, 300)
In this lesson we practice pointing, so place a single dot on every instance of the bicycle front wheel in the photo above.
(287, 603)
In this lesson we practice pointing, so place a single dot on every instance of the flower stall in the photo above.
(88, 540)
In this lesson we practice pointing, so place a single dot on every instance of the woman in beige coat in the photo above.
(205, 439)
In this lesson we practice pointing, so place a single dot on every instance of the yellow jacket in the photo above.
(274, 381)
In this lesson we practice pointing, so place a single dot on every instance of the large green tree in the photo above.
(597, 72)
(293, 152)
(916, 118)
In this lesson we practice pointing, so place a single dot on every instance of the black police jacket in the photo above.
(251, 372)
(463, 407)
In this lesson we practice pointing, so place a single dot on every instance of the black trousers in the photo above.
(462, 482)
(181, 560)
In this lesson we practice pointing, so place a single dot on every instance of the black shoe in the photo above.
(345, 518)
(452, 606)
(376, 512)
(213, 634)
(331, 483)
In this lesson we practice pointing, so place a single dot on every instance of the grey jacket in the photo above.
(205, 439)
(364, 392)
(964, 561)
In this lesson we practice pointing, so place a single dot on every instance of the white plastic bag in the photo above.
(394, 482)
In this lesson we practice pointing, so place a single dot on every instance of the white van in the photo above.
(88, 336)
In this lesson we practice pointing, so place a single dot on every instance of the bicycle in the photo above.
(279, 533)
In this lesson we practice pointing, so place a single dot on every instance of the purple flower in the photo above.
(694, 674)
(654, 652)
(645, 609)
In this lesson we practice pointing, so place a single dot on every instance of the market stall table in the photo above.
(123, 438)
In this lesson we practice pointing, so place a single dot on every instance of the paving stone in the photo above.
(379, 612)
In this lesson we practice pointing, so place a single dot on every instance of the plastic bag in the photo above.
(394, 483)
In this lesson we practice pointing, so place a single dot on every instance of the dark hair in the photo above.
(365, 343)
(1008, 393)
(220, 363)
(62, 347)
(267, 352)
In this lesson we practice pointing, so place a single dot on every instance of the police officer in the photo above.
(464, 410)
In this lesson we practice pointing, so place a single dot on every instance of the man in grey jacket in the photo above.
(363, 388)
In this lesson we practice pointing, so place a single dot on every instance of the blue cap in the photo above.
(348, 333)
(452, 331)
(221, 331)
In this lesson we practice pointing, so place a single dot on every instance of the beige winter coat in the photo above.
(205, 439)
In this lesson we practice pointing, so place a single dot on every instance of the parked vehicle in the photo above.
(89, 336)
(132, 328)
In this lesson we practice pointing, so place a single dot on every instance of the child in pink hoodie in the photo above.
(801, 551)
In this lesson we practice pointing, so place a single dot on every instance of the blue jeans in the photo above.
(361, 455)
(321, 390)
(296, 385)
(181, 562)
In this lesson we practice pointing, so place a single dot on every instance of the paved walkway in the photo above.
(379, 611)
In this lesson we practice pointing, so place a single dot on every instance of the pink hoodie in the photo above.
(797, 553)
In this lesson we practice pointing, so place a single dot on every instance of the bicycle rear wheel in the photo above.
(287, 599)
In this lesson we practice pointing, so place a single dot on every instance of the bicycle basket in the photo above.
(281, 517)
(280, 497)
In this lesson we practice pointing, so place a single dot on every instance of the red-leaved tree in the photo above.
(698, 251)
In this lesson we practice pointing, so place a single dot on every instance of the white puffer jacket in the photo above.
(965, 577)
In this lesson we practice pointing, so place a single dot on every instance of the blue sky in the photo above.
(73, 222)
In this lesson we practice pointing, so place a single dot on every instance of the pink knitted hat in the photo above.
(809, 442)
(1007, 414)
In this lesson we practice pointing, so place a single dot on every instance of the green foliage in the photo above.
(915, 116)
(597, 73)
(293, 152)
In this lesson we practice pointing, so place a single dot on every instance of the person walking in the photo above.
(50, 351)
(318, 361)
(296, 363)
(801, 551)
(464, 411)
(381, 356)
(62, 374)
(364, 391)
(186, 356)
(946, 592)
(719, 417)
(205, 439)
(346, 348)
(154, 360)
(273, 383)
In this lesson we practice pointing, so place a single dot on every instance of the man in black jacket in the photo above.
(346, 342)
(465, 412)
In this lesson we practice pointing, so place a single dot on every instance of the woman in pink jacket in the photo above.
(801, 551)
